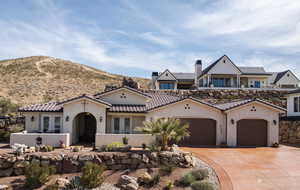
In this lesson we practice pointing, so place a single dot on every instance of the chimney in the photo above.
(198, 71)
(154, 77)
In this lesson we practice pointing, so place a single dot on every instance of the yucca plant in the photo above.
(166, 129)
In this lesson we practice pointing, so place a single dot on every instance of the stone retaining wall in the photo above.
(72, 162)
(289, 132)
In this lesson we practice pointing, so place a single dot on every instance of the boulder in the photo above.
(127, 182)
(4, 187)
(145, 178)
(61, 182)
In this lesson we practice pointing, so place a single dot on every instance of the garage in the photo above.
(202, 132)
(252, 132)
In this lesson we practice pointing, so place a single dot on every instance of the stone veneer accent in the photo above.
(11, 165)
(289, 132)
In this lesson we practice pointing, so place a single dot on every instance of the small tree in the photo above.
(167, 129)
(129, 82)
(92, 175)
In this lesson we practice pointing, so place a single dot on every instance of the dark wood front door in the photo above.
(252, 132)
(202, 132)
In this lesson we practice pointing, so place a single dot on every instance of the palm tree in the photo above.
(166, 129)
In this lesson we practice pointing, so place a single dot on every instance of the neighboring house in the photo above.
(223, 73)
(293, 104)
(108, 116)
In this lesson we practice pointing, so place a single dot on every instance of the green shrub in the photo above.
(187, 179)
(92, 175)
(166, 169)
(200, 174)
(203, 185)
(169, 185)
(113, 145)
(155, 180)
(46, 148)
(125, 140)
(36, 176)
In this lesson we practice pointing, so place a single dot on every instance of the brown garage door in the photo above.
(202, 132)
(252, 132)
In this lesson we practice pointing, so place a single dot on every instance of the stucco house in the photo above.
(108, 116)
(224, 73)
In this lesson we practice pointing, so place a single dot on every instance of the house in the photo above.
(223, 73)
(108, 116)
(293, 104)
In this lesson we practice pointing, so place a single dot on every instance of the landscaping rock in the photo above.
(4, 187)
(128, 183)
(61, 182)
(145, 178)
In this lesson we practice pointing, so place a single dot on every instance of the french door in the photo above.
(121, 125)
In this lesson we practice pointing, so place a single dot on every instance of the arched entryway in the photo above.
(84, 128)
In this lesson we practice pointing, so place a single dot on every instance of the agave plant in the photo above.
(166, 129)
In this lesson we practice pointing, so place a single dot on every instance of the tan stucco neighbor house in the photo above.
(108, 116)
(224, 73)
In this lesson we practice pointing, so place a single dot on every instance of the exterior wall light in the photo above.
(67, 118)
(100, 119)
(232, 121)
(32, 118)
(274, 122)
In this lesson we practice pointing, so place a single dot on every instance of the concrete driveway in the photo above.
(254, 168)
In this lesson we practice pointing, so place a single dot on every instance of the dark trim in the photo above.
(290, 118)
(256, 74)
(166, 71)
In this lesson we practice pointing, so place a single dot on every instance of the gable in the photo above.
(287, 79)
(166, 75)
(224, 66)
(124, 96)
(249, 108)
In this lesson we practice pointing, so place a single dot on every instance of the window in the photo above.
(297, 104)
(46, 123)
(166, 86)
(117, 125)
(57, 124)
(127, 125)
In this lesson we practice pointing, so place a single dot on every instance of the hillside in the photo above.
(39, 78)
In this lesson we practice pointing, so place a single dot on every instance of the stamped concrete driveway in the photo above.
(254, 168)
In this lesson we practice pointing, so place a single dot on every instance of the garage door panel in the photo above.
(202, 132)
(252, 132)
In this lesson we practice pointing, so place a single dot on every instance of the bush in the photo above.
(36, 176)
(92, 175)
(125, 140)
(114, 145)
(166, 169)
(203, 185)
(187, 179)
(46, 148)
(169, 185)
(155, 180)
(200, 174)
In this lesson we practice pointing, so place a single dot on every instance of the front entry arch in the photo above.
(84, 128)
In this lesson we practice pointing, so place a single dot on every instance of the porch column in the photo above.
(208, 80)
(238, 80)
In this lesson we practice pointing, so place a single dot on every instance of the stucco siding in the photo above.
(135, 140)
(32, 125)
(124, 97)
(196, 110)
(29, 139)
(73, 109)
(247, 112)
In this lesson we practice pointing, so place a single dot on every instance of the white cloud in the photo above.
(157, 39)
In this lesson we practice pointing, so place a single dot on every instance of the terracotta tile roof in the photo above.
(48, 107)
(128, 108)
(231, 105)
(88, 97)
(126, 87)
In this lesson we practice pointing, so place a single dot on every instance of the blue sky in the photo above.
(136, 37)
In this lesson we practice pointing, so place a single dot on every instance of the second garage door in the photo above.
(252, 132)
(202, 132)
